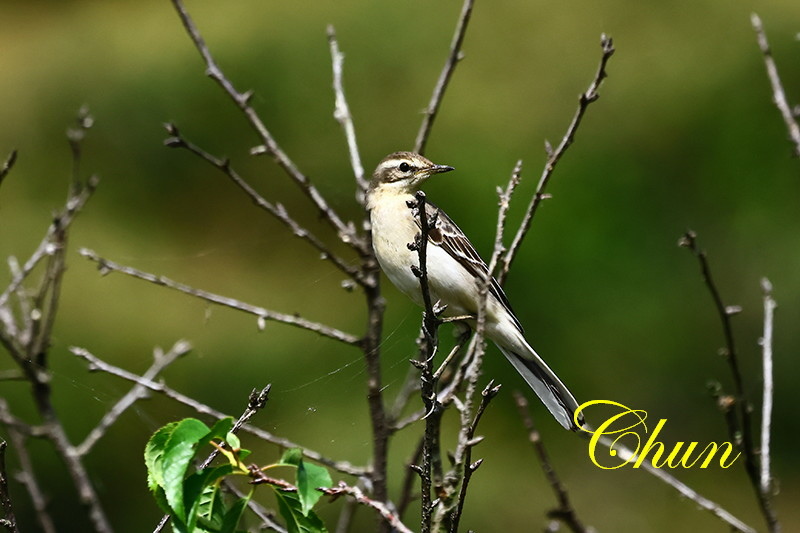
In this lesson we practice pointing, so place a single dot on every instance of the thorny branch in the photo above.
(453, 58)
(737, 408)
(431, 460)
(8, 521)
(778, 93)
(554, 156)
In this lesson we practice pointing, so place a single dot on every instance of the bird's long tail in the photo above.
(544, 382)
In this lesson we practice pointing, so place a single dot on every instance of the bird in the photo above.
(455, 271)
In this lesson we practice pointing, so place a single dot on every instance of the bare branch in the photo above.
(565, 512)
(766, 405)
(554, 156)
(346, 232)
(62, 221)
(8, 165)
(96, 364)
(778, 93)
(741, 428)
(263, 314)
(453, 58)
(342, 115)
(504, 203)
(138, 392)
(176, 140)
(626, 455)
(383, 510)
(27, 479)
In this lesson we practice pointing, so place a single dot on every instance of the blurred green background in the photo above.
(685, 135)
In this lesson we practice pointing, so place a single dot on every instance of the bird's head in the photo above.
(404, 171)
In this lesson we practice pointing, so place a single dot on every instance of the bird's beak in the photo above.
(436, 169)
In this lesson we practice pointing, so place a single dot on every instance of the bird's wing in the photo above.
(449, 237)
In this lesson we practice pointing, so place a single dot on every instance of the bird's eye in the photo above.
(404, 167)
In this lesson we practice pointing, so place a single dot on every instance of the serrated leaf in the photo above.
(296, 522)
(234, 514)
(196, 486)
(212, 509)
(309, 477)
(154, 455)
(179, 451)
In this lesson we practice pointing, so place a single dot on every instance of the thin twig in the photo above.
(463, 455)
(97, 364)
(137, 392)
(766, 405)
(105, 266)
(554, 156)
(346, 232)
(740, 426)
(383, 510)
(565, 512)
(778, 93)
(62, 221)
(504, 203)
(453, 58)
(8, 164)
(277, 210)
(343, 116)
(626, 455)
(27, 478)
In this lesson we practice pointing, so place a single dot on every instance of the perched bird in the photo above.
(455, 271)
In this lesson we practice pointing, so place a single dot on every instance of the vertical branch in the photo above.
(766, 405)
(342, 115)
(428, 347)
(740, 424)
(8, 521)
(778, 93)
(554, 156)
(453, 58)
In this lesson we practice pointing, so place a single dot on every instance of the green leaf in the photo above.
(211, 510)
(181, 446)
(233, 441)
(154, 455)
(297, 522)
(221, 429)
(234, 514)
(195, 489)
(309, 477)
(292, 457)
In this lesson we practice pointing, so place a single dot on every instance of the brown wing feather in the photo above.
(449, 237)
